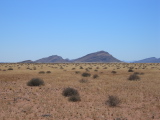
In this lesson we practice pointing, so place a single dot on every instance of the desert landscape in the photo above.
(96, 91)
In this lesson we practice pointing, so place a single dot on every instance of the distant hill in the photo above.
(27, 61)
(52, 59)
(149, 60)
(100, 56)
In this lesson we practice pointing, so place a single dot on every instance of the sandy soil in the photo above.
(140, 100)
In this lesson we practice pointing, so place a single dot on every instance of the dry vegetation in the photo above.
(104, 93)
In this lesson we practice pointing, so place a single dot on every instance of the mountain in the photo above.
(100, 56)
(149, 60)
(52, 59)
(27, 61)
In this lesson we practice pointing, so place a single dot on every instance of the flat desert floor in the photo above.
(138, 99)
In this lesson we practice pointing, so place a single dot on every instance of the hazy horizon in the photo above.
(129, 30)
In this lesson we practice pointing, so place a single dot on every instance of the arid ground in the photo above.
(139, 99)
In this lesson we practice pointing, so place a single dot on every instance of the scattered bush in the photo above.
(95, 76)
(34, 68)
(41, 72)
(134, 77)
(130, 70)
(113, 101)
(77, 72)
(81, 67)
(10, 68)
(87, 69)
(114, 72)
(61, 67)
(35, 82)
(67, 92)
(85, 74)
(48, 72)
(74, 98)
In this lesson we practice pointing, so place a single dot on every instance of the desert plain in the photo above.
(138, 99)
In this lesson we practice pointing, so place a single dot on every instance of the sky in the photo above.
(33, 29)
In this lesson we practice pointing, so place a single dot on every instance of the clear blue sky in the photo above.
(32, 29)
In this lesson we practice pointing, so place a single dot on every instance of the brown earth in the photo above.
(140, 100)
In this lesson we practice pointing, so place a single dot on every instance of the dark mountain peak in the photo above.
(100, 56)
(102, 53)
(51, 59)
(54, 56)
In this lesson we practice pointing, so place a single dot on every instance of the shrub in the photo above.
(34, 68)
(74, 98)
(41, 72)
(87, 69)
(10, 68)
(83, 81)
(81, 67)
(48, 72)
(113, 101)
(95, 76)
(35, 82)
(114, 72)
(130, 70)
(133, 77)
(67, 92)
(85, 74)
(77, 72)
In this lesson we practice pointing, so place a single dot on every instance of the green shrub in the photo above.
(35, 82)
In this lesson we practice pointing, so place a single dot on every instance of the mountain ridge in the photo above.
(97, 57)
(148, 60)
(100, 56)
